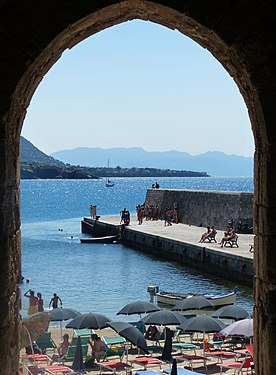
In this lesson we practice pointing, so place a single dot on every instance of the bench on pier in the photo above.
(232, 242)
(211, 238)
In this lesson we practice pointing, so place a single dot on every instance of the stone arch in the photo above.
(239, 34)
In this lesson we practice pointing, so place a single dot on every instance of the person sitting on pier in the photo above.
(205, 234)
(227, 236)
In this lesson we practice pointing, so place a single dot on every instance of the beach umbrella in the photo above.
(241, 328)
(32, 327)
(164, 318)
(89, 320)
(130, 333)
(192, 303)
(202, 323)
(231, 312)
(78, 364)
(167, 350)
(60, 314)
(138, 307)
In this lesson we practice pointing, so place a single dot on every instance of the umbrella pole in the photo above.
(61, 330)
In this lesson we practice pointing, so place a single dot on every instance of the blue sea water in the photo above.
(103, 278)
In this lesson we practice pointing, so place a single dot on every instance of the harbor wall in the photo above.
(205, 208)
(225, 265)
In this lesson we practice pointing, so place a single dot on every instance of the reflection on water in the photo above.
(98, 277)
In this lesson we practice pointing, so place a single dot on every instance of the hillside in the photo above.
(34, 164)
(30, 154)
(213, 163)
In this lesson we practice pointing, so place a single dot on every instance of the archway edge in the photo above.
(76, 30)
(239, 34)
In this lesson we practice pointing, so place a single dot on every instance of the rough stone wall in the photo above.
(205, 207)
(33, 36)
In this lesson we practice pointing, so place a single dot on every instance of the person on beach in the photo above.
(54, 301)
(33, 300)
(40, 302)
(62, 349)
(98, 347)
(152, 333)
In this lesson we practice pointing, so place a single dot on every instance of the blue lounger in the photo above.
(147, 372)
(181, 371)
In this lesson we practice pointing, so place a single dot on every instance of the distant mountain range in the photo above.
(214, 163)
(34, 164)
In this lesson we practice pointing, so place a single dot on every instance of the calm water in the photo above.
(103, 278)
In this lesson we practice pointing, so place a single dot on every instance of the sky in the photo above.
(139, 84)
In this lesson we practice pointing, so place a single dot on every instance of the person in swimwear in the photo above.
(33, 300)
(54, 301)
(40, 302)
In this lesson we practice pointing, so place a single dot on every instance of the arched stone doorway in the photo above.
(239, 34)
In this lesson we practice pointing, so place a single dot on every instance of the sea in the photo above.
(103, 278)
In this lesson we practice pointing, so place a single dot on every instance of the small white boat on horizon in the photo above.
(108, 182)
(169, 298)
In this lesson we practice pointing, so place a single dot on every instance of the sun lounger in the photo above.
(83, 332)
(72, 351)
(192, 359)
(220, 355)
(116, 340)
(30, 370)
(181, 371)
(58, 369)
(237, 366)
(184, 346)
(146, 361)
(39, 358)
(113, 366)
(45, 342)
(155, 348)
(84, 340)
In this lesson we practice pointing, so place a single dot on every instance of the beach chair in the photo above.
(184, 346)
(45, 342)
(84, 340)
(140, 326)
(57, 369)
(115, 345)
(192, 359)
(237, 366)
(146, 361)
(211, 238)
(83, 332)
(114, 351)
(72, 351)
(113, 366)
(232, 242)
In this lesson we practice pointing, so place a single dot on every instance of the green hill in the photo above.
(30, 154)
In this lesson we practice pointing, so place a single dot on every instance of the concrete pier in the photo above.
(179, 242)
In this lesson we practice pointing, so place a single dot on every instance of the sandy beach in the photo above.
(212, 367)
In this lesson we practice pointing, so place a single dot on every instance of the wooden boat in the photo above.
(106, 239)
(172, 299)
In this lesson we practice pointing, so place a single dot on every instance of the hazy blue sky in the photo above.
(139, 84)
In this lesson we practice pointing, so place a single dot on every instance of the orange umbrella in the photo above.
(32, 327)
